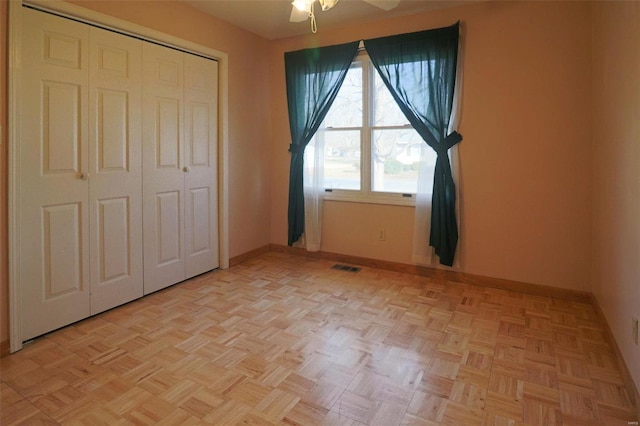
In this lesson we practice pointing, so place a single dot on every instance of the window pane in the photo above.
(395, 159)
(342, 159)
(385, 109)
(346, 110)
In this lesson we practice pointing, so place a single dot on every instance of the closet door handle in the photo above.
(186, 169)
(84, 176)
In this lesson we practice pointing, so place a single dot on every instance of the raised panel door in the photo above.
(53, 164)
(163, 175)
(115, 172)
(201, 147)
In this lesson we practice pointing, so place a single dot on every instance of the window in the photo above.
(371, 152)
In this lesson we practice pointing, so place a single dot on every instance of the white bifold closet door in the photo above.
(117, 163)
(180, 217)
(80, 203)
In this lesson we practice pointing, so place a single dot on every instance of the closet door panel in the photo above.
(114, 227)
(115, 190)
(201, 147)
(62, 250)
(53, 162)
(163, 175)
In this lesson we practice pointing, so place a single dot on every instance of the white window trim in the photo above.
(371, 198)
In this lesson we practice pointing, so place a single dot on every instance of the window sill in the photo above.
(392, 200)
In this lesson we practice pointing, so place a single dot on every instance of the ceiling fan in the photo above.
(303, 9)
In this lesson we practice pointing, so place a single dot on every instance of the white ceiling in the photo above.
(270, 18)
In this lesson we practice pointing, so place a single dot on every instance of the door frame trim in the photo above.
(14, 102)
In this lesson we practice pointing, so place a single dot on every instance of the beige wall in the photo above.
(525, 157)
(249, 201)
(4, 311)
(616, 160)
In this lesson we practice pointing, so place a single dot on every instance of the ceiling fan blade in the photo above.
(384, 4)
(298, 15)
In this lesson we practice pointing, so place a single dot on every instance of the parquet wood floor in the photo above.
(281, 339)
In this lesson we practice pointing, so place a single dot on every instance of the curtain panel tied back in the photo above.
(314, 77)
(419, 69)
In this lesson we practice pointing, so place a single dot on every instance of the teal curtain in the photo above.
(419, 69)
(314, 77)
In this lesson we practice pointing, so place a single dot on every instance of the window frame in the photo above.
(366, 194)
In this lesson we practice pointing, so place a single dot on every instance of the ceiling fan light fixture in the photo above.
(303, 5)
(303, 10)
(328, 4)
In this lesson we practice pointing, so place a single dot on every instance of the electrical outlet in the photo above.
(634, 329)
(382, 235)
